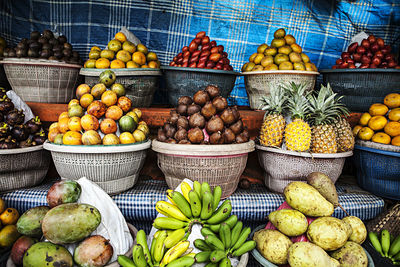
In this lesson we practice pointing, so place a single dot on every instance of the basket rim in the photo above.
(377, 151)
(100, 149)
(294, 72)
(226, 72)
(93, 72)
(38, 62)
(359, 70)
(202, 150)
(20, 150)
(306, 154)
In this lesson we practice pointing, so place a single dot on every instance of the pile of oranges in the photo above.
(121, 53)
(381, 124)
(8, 229)
(99, 116)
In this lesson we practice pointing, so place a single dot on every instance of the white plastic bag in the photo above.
(130, 36)
(20, 104)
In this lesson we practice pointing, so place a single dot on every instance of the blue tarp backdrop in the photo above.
(322, 27)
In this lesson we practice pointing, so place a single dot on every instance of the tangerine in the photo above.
(396, 141)
(377, 123)
(124, 56)
(132, 65)
(394, 114)
(139, 58)
(365, 133)
(63, 115)
(117, 64)
(102, 63)
(90, 63)
(108, 126)
(86, 100)
(120, 36)
(392, 128)
(392, 100)
(109, 98)
(114, 112)
(126, 138)
(378, 109)
(356, 129)
(110, 139)
(89, 122)
(108, 54)
(129, 46)
(381, 138)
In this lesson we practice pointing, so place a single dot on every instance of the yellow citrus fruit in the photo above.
(82, 89)
(98, 90)
(378, 109)
(139, 58)
(392, 100)
(120, 37)
(86, 100)
(74, 124)
(396, 141)
(153, 64)
(63, 115)
(252, 57)
(258, 58)
(94, 54)
(151, 56)
(102, 63)
(129, 46)
(72, 138)
(310, 67)
(392, 128)
(271, 67)
(126, 138)
(123, 56)
(365, 133)
(142, 48)
(289, 39)
(377, 123)
(108, 54)
(117, 64)
(90, 63)
(114, 45)
(364, 119)
(109, 98)
(95, 48)
(394, 114)
(381, 138)
(132, 65)
(356, 129)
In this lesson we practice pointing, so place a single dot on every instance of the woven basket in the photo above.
(258, 83)
(283, 166)
(215, 164)
(23, 167)
(389, 220)
(140, 84)
(45, 81)
(114, 168)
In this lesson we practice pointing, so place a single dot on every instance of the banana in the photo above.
(246, 247)
(185, 261)
(187, 252)
(157, 233)
(221, 214)
(236, 232)
(217, 255)
(168, 223)
(159, 247)
(171, 210)
(205, 187)
(242, 238)
(175, 252)
(142, 240)
(195, 204)
(213, 227)
(185, 187)
(138, 254)
(225, 262)
(206, 207)
(169, 191)
(197, 188)
(216, 197)
(375, 242)
(214, 242)
(153, 246)
(211, 264)
(202, 245)
(192, 254)
(225, 235)
(385, 241)
(395, 246)
(181, 203)
(231, 221)
(173, 238)
(205, 231)
(124, 261)
(396, 257)
(203, 256)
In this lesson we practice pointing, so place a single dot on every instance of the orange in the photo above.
(98, 90)
(74, 124)
(129, 46)
(82, 89)
(377, 123)
(108, 54)
(378, 109)
(381, 138)
(95, 48)
(109, 98)
(396, 141)
(123, 56)
(392, 100)
(102, 63)
(63, 125)
(252, 57)
(72, 138)
(90, 63)
(153, 64)
(54, 125)
(356, 129)
(151, 56)
(365, 133)
(120, 36)
(394, 114)
(364, 119)
(9, 216)
(126, 138)
(73, 102)
(63, 115)
(258, 58)
(86, 100)
(94, 54)
(142, 48)
(132, 65)
(114, 45)
(117, 64)
(144, 66)
(52, 134)
(114, 112)
(89, 122)
(392, 128)
(139, 58)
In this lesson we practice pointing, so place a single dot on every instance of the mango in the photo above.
(30, 223)
(70, 223)
(306, 254)
(351, 255)
(62, 192)
(20, 247)
(325, 186)
(47, 254)
(289, 222)
(359, 231)
(94, 251)
(8, 235)
(306, 199)
(329, 233)
(273, 245)
(9, 216)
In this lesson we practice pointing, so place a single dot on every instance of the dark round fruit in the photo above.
(46, 54)
(181, 134)
(35, 46)
(216, 138)
(62, 39)
(75, 54)
(67, 53)
(21, 52)
(21, 45)
(185, 100)
(57, 48)
(213, 91)
(229, 136)
(227, 116)
(220, 103)
(43, 40)
(58, 54)
(174, 117)
(47, 46)
(182, 109)
(197, 120)
(53, 41)
(201, 98)
(169, 130)
(48, 34)
(208, 110)
(182, 123)
(196, 135)
(214, 125)
(161, 135)
(67, 46)
(35, 35)
(192, 109)
(12, 53)
(237, 127)
(244, 183)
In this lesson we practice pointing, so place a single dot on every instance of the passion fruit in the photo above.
(97, 109)
(114, 113)
(90, 138)
(127, 124)
(75, 111)
(98, 90)
(119, 89)
(139, 135)
(109, 98)
(108, 126)
(110, 139)
(126, 138)
(107, 77)
(86, 100)
(89, 122)
(124, 103)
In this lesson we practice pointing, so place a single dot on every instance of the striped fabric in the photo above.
(322, 28)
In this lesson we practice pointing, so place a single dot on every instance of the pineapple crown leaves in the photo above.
(297, 102)
(325, 107)
(276, 101)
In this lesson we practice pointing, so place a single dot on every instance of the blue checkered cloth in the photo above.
(322, 28)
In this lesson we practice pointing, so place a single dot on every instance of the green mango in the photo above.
(70, 223)
(30, 223)
(62, 192)
(306, 254)
(47, 254)
(289, 222)
(96, 249)
(351, 255)
(306, 199)
(329, 233)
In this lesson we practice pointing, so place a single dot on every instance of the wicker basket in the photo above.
(258, 83)
(140, 84)
(283, 166)
(45, 81)
(114, 168)
(23, 167)
(389, 220)
(215, 164)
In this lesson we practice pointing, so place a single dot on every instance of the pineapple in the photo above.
(273, 127)
(298, 132)
(344, 135)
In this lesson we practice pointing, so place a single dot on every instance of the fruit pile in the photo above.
(3, 46)
(282, 54)
(223, 233)
(385, 247)
(316, 120)
(205, 119)
(381, 124)
(108, 112)
(371, 53)
(14, 133)
(8, 228)
(45, 46)
(202, 53)
(121, 53)
(291, 237)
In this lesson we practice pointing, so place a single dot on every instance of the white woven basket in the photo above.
(258, 83)
(215, 164)
(46, 81)
(113, 168)
(283, 166)
(23, 167)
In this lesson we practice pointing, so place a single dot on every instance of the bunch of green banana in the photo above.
(228, 241)
(388, 246)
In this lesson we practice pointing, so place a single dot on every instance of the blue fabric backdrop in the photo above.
(323, 28)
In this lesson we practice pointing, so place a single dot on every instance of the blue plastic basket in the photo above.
(378, 171)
